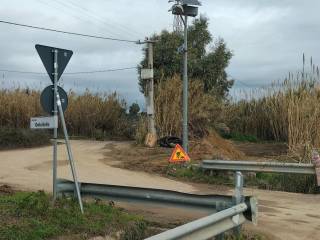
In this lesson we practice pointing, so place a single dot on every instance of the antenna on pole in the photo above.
(177, 24)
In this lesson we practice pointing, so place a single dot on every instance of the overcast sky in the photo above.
(267, 37)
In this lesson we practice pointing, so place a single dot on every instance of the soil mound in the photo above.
(214, 147)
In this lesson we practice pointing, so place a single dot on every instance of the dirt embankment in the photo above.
(155, 160)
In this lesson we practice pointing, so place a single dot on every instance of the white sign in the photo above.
(44, 122)
(146, 73)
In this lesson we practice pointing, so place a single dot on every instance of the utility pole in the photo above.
(148, 75)
(150, 91)
(185, 140)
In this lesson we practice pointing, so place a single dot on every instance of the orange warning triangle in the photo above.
(179, 155)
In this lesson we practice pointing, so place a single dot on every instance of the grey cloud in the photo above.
(267, 37)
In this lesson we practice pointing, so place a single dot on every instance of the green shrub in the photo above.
(241, 137)
(12, 137)
(285, 182)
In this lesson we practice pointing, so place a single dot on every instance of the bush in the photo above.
(11, 138)
(285, 182)
(241, 137)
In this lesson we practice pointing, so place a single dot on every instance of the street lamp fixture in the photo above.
(185, 7)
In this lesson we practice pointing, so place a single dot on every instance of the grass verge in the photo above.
(27, 216)
(271, 181)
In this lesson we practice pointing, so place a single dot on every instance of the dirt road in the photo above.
(282, 215)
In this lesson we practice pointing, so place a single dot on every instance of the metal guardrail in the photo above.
(207, 227)
(248, 166)
(232, 211)
(147, 195)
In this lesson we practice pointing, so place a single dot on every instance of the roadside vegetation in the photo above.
(92, 115)
(269, 181)
(20, 138)
(285, 111)
(31, 216)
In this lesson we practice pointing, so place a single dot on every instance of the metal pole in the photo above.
(55, 130)
(185, 87)
(72, 165)
(150, 86)
(238, 196)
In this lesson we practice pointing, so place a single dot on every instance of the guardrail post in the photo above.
(238, 196)
(220, 207)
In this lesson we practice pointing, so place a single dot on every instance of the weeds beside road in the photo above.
(31, 216)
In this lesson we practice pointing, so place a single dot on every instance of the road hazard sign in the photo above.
(179, 155)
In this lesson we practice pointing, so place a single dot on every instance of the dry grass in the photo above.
(214, 147)
(91, 115)
(96, 115)
(203, 108)
(18, 106)
(286, 111)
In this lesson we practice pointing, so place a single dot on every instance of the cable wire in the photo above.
(105, 21)
(70, 73)
(65, 32)
(83, 17)
(21, 72)
(101, 71)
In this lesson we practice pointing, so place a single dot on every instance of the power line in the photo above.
(101, 71)
(22, 72)
(104, 21)
(83, 17)
(69, 33)
(69, 73)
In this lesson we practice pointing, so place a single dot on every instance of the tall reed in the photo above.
(286, 111)
(204, 109)
(88, 114)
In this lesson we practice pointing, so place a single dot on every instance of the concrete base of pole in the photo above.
(151, 140)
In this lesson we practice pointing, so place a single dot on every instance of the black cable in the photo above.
(22, 72)
(65, 32)
(100, 71)
(70, 73)
(92, 15)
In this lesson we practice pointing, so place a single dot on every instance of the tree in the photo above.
(205, 63)
(134, 109)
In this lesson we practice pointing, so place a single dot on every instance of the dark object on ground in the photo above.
(5, 189)
(169, 142)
